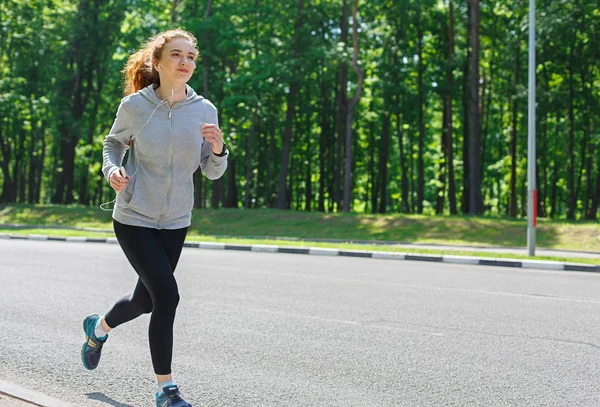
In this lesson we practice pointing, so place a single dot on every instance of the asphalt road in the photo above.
(260, 329)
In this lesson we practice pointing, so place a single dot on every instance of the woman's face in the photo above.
(178, 61)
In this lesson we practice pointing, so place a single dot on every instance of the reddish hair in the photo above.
(139, 71)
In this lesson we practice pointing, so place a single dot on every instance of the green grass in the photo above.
(301, 243)
(460, 230)
(255, 226)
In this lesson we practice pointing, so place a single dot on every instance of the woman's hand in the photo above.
(212, 133)
(119, 179)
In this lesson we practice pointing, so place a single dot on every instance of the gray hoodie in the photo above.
(162, 159)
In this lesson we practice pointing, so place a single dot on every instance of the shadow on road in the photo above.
(105, 399)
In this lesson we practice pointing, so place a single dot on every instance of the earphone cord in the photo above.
(131, 145)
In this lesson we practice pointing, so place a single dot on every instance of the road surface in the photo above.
(263, 329)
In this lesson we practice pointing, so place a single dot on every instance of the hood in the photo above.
(192, 96)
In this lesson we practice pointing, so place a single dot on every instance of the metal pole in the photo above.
(531, 186)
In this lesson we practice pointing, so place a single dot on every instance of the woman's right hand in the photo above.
(119, 179)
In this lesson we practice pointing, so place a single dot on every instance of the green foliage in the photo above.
(60, 85)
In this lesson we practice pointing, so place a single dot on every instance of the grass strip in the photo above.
(192, 237)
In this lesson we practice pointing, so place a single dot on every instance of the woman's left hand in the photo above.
(212, 133)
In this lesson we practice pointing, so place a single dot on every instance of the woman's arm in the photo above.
(116, 143)
(212, 166)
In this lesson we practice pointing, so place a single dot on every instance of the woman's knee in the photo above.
(167, 299)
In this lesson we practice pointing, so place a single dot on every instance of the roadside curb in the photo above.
(454, 259)
(30, 396)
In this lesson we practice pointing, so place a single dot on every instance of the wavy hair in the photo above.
(139, 71)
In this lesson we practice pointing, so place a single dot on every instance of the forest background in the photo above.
(379, 106)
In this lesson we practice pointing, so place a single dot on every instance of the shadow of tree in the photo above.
(105, 399)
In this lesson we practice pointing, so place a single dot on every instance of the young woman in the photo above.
(170, 131)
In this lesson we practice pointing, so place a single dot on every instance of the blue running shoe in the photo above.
(170, 397)
(92, 348)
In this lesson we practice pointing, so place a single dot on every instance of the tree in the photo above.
(475, 201)
(351, 105)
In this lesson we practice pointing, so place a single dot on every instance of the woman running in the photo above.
(170, 131)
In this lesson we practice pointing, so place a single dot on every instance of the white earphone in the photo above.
(138, 133)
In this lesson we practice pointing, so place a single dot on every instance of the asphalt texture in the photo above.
(272, 329)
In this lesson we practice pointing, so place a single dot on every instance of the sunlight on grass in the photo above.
(245, 223)
(271, 242)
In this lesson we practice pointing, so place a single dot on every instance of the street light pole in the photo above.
(531, 156)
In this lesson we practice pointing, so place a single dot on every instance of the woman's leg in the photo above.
(153, 254)
(172, 241)
(129, 307)
(140, 302)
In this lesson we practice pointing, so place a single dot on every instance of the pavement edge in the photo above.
(30, 396)
(471, 260)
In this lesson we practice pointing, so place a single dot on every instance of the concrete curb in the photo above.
(30, 396)
(476, 261)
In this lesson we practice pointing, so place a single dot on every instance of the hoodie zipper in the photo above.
(169, 174)
(152, 98)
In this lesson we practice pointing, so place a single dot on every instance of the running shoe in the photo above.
(92, 348)
(170, 397)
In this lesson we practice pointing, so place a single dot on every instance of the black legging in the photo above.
(154, 254)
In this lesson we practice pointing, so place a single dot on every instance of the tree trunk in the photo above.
(475, 201)
(586, 146)
(554, 182)
(449, 117)
(439, 204)
(199, 182)
(486, 100)
(513, 140)
(500, 177)
(466, 193)
(309, 153)
(342, 99)
(351, 107)
(373, 185)
(269, 176)
(572, 196)
(596, 194)
(421, 142)
(323, 138)
(403, 169)
(289, 188)
(282, 200)
(596, 199)
(383, 158)
(331, 178)
(9, 191)
(589, 184)
(32, 161)
(84, 196)
(524, 196)
(206, 60)
(543, 185)
(174, 11)
(249, 166)
(20, 173)
(232, 190)
(218, 193)
(411, 171)
(40, 164)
